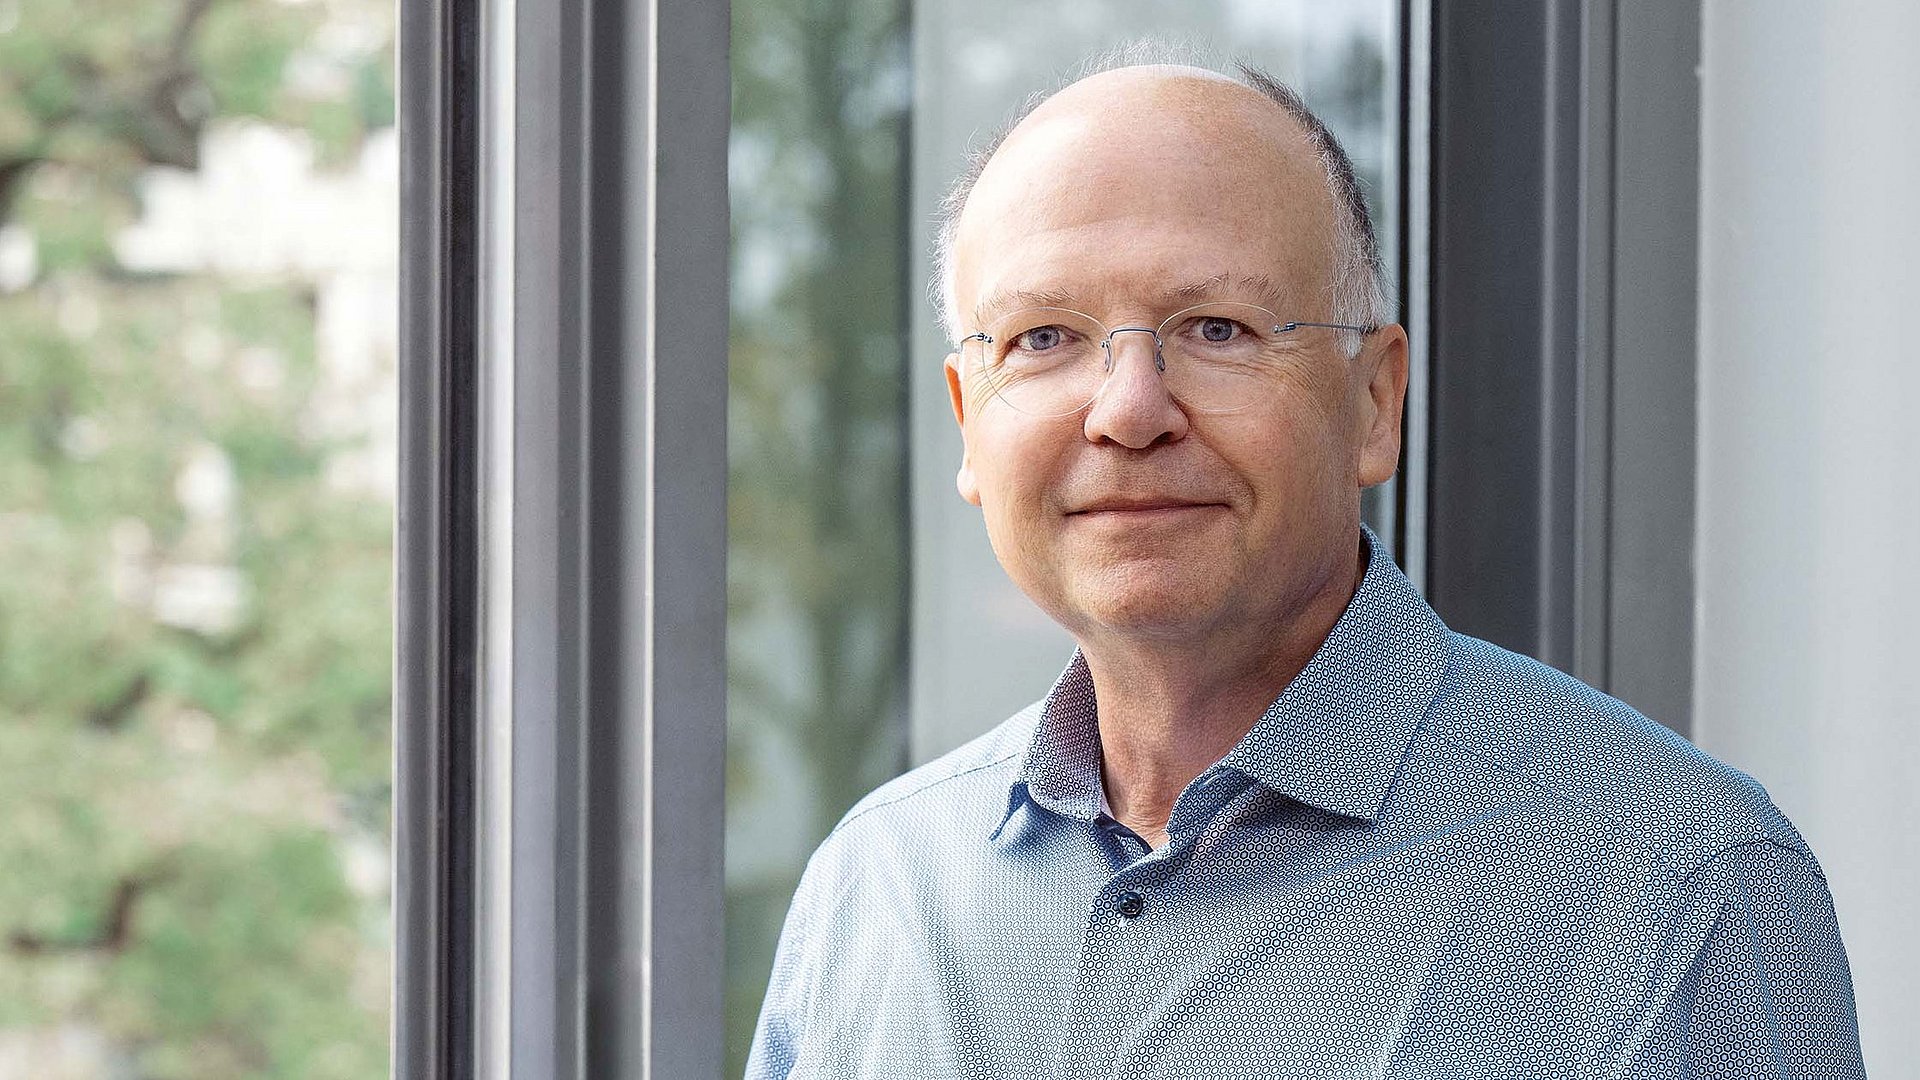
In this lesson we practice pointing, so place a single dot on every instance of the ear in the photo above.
(1384, 365)
(968, 486)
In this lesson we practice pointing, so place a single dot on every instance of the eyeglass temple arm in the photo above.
(1284, 327)
(983, 336)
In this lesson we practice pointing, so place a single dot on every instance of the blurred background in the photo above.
(197, 418)
(870, 628)
(198, 208)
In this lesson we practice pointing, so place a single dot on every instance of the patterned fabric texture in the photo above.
(1431, 858)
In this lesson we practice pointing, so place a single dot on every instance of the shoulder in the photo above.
(1596, 754)
(957, 790)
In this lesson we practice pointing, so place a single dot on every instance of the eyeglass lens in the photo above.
(1052, 361)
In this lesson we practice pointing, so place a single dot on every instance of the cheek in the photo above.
(1014, 466)
(1293, 455)
(1014, 477)
(1316, 418)
(1315, 391)
(1296, 424)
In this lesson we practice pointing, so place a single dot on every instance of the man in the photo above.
(1275, 819)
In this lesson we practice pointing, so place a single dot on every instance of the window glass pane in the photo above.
(197, 323)
(980, 649)
(848, 125)
(817, 556)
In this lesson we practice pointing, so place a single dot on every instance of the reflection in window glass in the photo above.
(835, 375)
(197, 298)
(817, 557)
(980, 650)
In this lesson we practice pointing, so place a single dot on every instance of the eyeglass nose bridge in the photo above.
(1106, 346)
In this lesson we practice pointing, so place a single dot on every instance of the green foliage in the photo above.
(244, 56)
(183, 805)
(816, 493)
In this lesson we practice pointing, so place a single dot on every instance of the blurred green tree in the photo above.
(195, 615)
(817, 498)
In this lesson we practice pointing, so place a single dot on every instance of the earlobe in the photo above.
(964, 480)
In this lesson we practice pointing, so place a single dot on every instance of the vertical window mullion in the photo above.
(560, 594)
(437, 536)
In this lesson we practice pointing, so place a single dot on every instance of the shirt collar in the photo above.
(1333, 739)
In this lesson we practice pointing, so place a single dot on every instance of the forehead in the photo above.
(1146, 185)
(1168, 293)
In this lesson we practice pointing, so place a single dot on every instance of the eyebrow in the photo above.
(1258, 288)
(1013, 299)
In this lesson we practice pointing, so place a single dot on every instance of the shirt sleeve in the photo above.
(783, 1012)
(775, 1046)
(1769, 995)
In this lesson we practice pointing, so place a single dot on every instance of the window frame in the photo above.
(1560, 501)
(561, 531)
(561, 538)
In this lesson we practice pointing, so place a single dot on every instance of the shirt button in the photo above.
(1131, 903)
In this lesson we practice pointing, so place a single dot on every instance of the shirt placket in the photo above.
(1126, 926)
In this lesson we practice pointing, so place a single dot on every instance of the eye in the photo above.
(1040, 338)
(1217, 329)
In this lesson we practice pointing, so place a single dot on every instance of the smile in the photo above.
(1143, 511)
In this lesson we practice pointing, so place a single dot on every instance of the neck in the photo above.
(1168, 713)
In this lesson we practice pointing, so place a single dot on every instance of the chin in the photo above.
(1150, 603)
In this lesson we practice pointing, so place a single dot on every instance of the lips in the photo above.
(1140, 505)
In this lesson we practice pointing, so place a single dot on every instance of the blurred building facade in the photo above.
(198, 211)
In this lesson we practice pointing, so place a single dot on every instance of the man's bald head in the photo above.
(1131, 102)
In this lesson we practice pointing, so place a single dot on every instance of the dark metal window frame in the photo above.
(1558, 484)
(1563, 269)
(560, 589)
(437, 543)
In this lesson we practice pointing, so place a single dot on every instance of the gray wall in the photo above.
(1807, 636)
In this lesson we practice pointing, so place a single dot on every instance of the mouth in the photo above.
(1143, 509)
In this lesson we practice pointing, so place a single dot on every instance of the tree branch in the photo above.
(116, 929)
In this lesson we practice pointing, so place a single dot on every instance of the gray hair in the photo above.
(1359, 289)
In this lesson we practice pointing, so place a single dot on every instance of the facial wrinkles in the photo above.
(1067, 213)
(1141, 270)
(1225, 174)
(1180, 477)
(1105, 293)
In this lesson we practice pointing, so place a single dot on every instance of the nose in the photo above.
(1133, 407)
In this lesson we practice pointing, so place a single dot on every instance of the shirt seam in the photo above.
(1805, 856)
(1571, 795)
(921, 790)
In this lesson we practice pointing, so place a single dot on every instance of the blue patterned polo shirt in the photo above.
(1430, 858)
